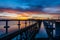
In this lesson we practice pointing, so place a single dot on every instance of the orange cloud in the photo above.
(28, 14)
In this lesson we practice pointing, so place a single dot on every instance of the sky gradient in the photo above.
(25, 8)
(30, 5)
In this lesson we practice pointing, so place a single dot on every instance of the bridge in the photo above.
(30, 32)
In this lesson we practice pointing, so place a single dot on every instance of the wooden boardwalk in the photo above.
(30, 31)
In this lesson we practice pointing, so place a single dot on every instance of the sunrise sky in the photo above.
(29, 8)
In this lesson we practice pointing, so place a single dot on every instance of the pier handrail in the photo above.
(13, 34)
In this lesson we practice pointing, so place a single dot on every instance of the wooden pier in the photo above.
(31, 31)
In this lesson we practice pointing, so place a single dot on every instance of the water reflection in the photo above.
(42, 32)
(13, 26)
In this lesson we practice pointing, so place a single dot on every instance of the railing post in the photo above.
(54, 29)
(6, 26)
(39, 23)
(29, 22)
(19, 26)
(32, 22)
(51, 25)
(50, 29)
(25, 23)
(26, 32)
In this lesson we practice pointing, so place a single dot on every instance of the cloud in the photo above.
(8, 14)
(52, 10)
(30, 5)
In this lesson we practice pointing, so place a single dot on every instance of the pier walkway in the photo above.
(41, 29)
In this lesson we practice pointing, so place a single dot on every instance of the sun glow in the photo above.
(28, 15)
(41, 16)
(23, 18)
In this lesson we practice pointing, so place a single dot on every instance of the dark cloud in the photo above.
(32, 5)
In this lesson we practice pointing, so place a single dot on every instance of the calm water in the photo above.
(13, 26)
